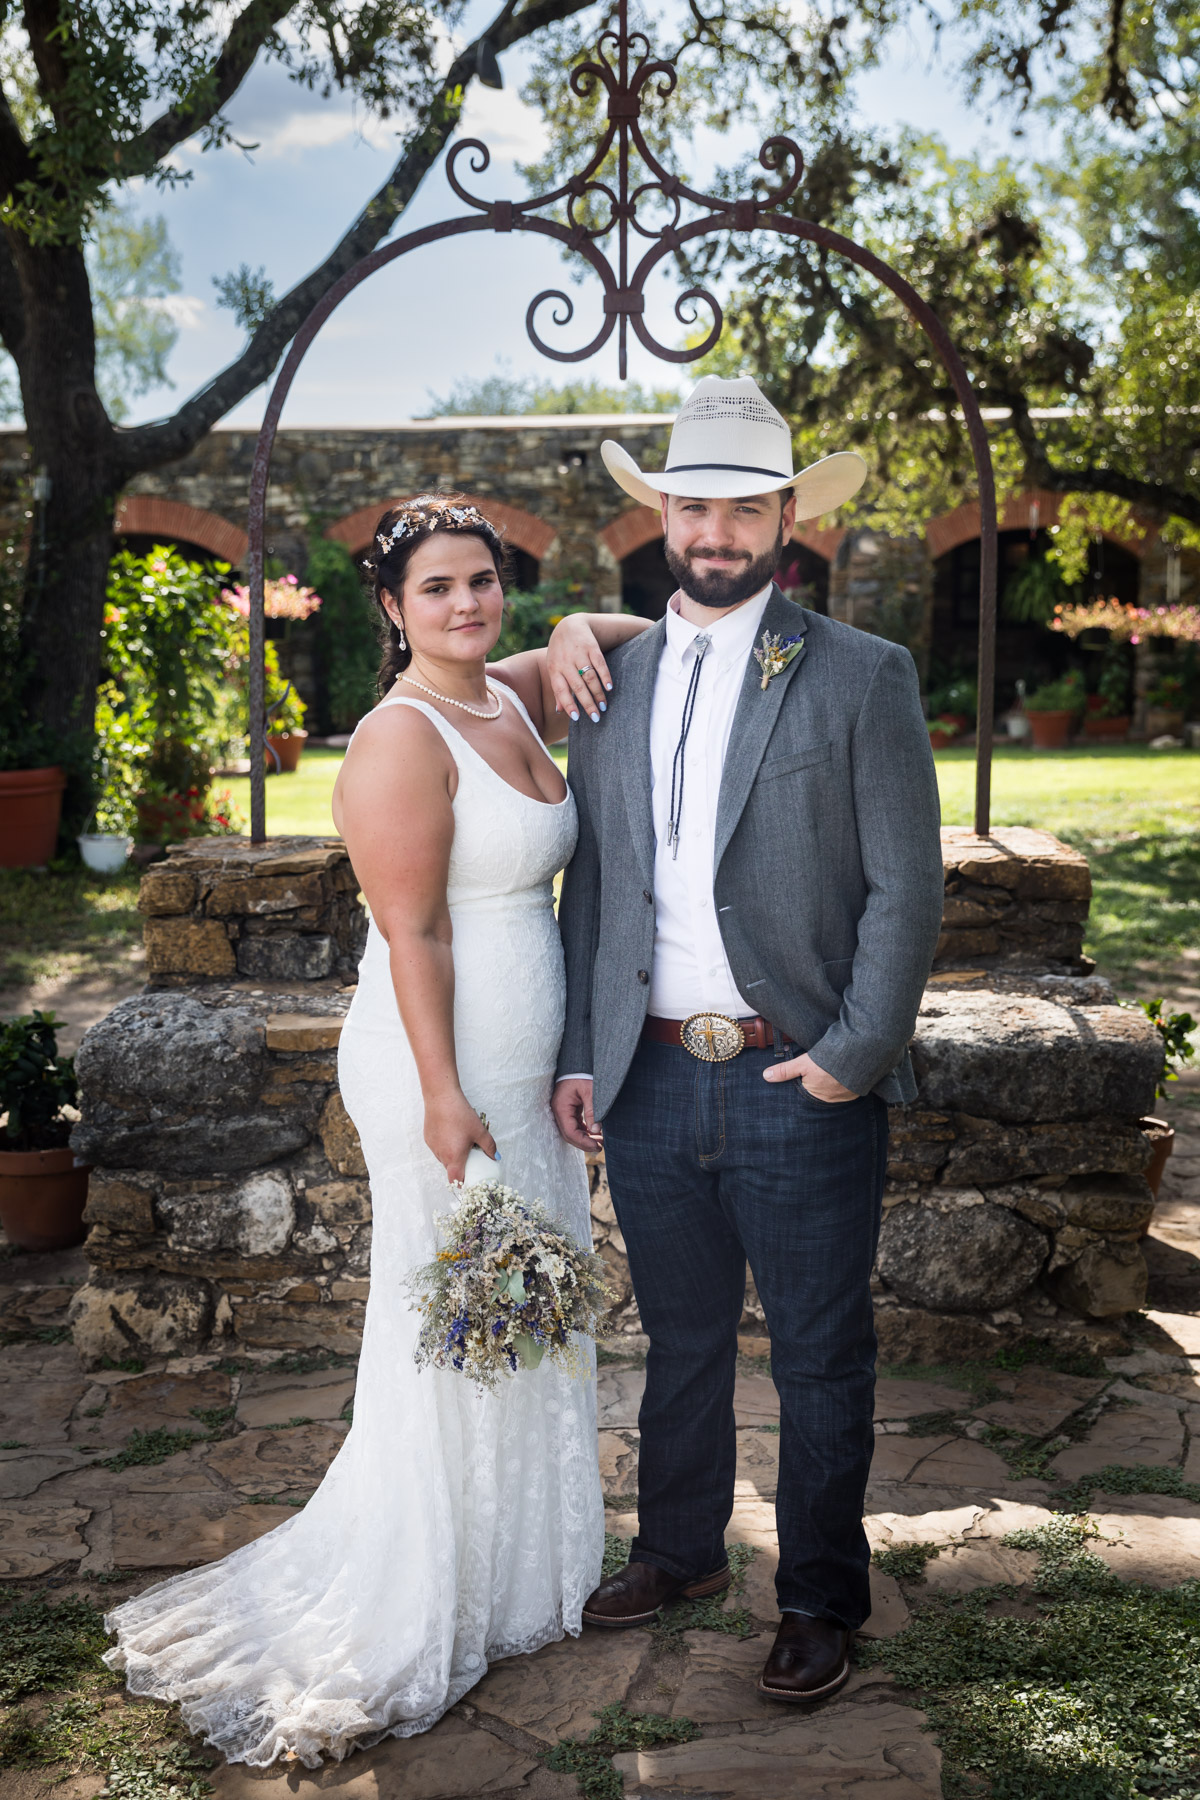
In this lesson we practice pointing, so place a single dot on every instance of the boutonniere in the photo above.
(776, 654)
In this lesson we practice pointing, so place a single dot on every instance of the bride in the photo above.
(454, 1527)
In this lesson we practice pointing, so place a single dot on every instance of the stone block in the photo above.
(1038, 1400)
(340, 1139)
(719, 1682)
(896, 1398)
(197, 1145)
(265, 895)
(196, 947)
(1032, 864)
(172, 1050)
(271, 1462)
(163, 1399)
(557, 1692)
(159, 1316)
(451, 1761)
(303, 1031)
(852, 1751)
(1119, 1203)
(274, 1399)
(119, 1205)
(1149, 1433)
(35, 1538)
(986, 1151)
(255, 1217)
(1104, 1281)
(972, 1258)
(288, 957)
(1027, 1058)
(163, 890)
(288, 1325)
(914, 1334)
(961, 1463)
(618, 1397)
(38, 1393)
(1153, 1538)
(618, 1463)
(164, 1531)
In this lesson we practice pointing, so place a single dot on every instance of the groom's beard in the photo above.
(744, 577)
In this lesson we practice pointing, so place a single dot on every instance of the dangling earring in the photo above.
(401, 640)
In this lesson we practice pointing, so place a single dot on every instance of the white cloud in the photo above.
(187, 310)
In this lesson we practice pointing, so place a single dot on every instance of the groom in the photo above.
(748, 922)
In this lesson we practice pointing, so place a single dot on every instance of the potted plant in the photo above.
(1052, 710)
(1164, 707)
(285, 719)
(43, 1186)
(1107, 714)
(31, 786)
(1175, 1029)
(942, 732)
(106, 846)
(955, 703)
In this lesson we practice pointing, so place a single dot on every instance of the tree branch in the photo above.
(247, 35)
(16, 164)
(12, 303)
(1159, 497)
(147, 445)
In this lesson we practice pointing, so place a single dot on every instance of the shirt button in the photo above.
(644, 977)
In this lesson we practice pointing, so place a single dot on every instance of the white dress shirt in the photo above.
(691, 972)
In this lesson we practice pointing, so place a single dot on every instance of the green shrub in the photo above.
(1064, 695)
(346, 634)
(35, 1083)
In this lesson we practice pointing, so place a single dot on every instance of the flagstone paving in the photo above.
(98, 1498)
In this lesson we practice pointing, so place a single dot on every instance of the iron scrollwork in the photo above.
(625, 68)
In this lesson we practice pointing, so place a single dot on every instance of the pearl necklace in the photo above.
(476, 712)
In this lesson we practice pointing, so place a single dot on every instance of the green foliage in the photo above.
(1112, 686)
(1064, 695)
(248, 294)
(617, 1730)
(142, 1449)
(1094, 1696)
(46, 1646)
(24, 743)
(1032, 592)
(285, 710)
(1167, 692)
(35, 1082)
(958, 694)
(132, 268)
(710, 1614)
(346, 632)
(172, 649)
(1126, 1478)
(501, 395)
(905, 1560)
(529, 618)
(1175, 1029)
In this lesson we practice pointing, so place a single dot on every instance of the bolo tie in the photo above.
(700, 644)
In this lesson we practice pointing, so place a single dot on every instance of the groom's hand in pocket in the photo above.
(820, 1085)
(571, 1105)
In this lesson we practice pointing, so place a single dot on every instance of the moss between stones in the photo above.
(79, 1722)
(617, 1730)
(1095, 1695)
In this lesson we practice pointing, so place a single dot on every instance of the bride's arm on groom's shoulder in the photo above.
(395, 811)
(570, 675)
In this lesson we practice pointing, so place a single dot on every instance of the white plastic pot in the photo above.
(103, 852)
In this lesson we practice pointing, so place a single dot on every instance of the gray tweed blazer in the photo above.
(827, 871)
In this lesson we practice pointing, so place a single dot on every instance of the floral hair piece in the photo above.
(423, 518)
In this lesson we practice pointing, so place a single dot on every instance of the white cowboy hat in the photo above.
(727, 442)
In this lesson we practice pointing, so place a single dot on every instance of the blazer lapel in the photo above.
(638, 672)
(754, 720)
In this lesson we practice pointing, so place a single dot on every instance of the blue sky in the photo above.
(448, 311)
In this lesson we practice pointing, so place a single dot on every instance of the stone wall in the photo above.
(229, 1204)
(885, 586)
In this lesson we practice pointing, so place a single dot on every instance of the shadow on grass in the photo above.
(64, 921)
(1145, 901)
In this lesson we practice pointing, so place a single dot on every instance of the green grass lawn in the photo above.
(1134, 812)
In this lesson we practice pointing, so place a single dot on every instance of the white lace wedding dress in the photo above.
(453, 1528)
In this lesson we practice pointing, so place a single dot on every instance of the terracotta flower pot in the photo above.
(42, 1197)
(1112, 729)
(1163, 721)
(1050, 729)
(30, 805)
(287, 747)
(1162, 1140)
(941, 740)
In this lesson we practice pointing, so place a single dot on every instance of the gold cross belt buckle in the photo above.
(712, 1037)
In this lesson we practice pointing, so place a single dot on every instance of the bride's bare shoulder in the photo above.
(396, 747)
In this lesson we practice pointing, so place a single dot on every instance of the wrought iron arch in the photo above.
(624, 68)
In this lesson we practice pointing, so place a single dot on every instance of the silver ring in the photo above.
(586, 669)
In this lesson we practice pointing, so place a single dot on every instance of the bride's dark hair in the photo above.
(400, 531)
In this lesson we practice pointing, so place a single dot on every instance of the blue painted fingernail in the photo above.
(608, 685)
(603, 706)
(575, 715)
(595, 718)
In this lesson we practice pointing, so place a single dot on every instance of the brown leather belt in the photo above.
(712, 1037)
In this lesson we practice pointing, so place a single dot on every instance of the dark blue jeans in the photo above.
(710, 1166)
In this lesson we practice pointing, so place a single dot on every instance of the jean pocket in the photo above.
(815, 1100)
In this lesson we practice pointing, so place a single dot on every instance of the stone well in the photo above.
(229, 1207)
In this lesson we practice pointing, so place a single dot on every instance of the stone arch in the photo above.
(170, 521)
(951, 529)
(523, 530)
